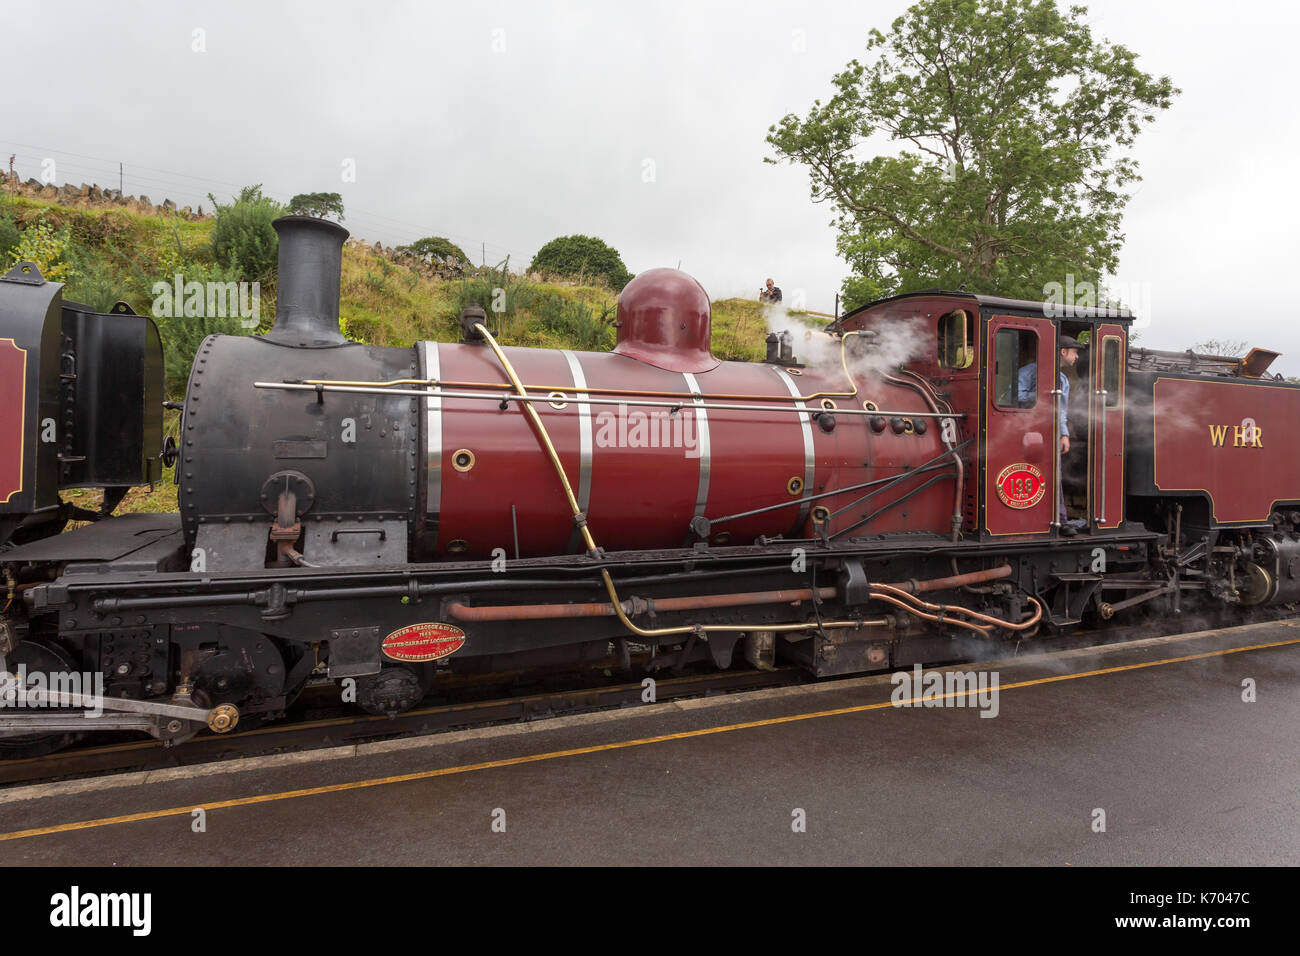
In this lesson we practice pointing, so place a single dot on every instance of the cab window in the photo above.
(956, 340)
(1110, 370)
(1016, 368)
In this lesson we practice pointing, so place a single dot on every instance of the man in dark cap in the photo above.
(1027, 387)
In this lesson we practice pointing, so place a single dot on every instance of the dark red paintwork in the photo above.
(664, 319)
(1019, 437)
(13, 394)
(1110, 512)
(645, 497)
(1243, 481)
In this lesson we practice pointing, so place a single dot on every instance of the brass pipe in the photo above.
(738, 396)
(444, 383)
(545, 438)
(370, 389)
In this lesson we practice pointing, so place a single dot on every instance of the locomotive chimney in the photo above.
(307, 292)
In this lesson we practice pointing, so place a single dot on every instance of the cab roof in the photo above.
(1001, 304)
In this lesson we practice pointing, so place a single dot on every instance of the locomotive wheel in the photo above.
(45, 657)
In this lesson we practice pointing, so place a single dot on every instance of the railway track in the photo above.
(315, 724)
(333, 727)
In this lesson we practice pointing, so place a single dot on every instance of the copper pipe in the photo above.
(955, 581)
(734, 600)
(915, 601)
(968, 612)
(532, 612)
(956, 622)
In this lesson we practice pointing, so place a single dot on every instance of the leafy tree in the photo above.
(435, 246)
(319, 205)
(983, 145)
(582, 256)
(243, 238)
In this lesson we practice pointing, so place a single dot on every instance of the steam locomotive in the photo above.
(894, 493)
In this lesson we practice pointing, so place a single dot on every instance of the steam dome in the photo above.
(664, 320)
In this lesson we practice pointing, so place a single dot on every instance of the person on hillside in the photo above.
(771, 293)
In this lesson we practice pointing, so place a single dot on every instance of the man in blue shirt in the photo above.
(1027, 390)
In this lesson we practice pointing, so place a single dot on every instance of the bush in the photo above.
(94, 283)
(50, 250)
(580, 325)
(242, 237)
(582, 257)
(435, 246)
(499, 293)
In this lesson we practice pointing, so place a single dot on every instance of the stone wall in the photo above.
(90, 195)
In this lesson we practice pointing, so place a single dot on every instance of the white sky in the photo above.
(453, 135)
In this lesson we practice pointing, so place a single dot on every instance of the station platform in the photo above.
(1147, 753)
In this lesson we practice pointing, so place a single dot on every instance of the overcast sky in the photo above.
(510, 123)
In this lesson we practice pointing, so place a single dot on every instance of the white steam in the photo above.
(896, 342)
(811, 345)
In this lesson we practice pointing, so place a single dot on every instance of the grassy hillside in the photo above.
(108, 253)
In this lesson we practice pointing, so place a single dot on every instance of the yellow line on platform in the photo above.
(598, 748)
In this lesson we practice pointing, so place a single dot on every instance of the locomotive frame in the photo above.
(390, 558)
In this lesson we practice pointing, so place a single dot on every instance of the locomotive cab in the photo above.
(983, 355)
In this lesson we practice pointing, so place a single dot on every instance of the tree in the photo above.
(1007, 126)
(582, 256)
(319, 205)
(243, 238)
(435, 246)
